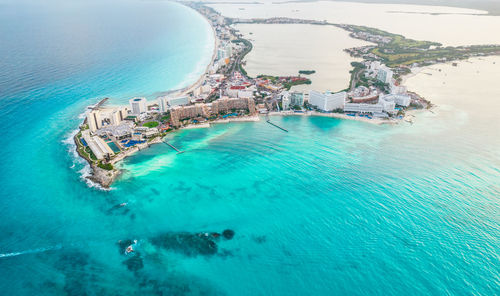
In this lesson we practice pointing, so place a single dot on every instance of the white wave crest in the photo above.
(39, 250)
(78, 161)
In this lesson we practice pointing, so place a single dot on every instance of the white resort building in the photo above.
(327, 101)
(285, 100)
(400, 100)
(138, 105)
(385, 74)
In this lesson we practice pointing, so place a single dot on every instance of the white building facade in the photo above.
(285, 100)
(327, 101)
(363, 108)
(138, 105)
(177, 101)
(296, 99)
(400, 100)
(385, 75)
(94, 120)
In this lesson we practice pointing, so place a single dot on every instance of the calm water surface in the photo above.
(278, 50)
(447, 25)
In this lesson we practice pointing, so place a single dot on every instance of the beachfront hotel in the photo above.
(201, 110)
(179, 113)
(138, 105)
(381, 109)
(229, 104)
(400, 99)
(327, 101)
(296, 99)
(97, 119)
(285, 100)
(94, 120)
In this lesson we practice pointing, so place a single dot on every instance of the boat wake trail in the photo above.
(39, 250)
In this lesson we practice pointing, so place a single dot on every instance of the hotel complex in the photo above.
(327, 101)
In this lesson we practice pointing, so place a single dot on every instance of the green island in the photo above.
(307, 72)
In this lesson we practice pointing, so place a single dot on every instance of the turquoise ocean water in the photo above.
(332, 207)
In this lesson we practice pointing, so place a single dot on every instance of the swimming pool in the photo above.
(113, 147)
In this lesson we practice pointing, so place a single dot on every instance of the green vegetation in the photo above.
(307, 72)
(401, 51)
(248, 48)
(397, 41)
(89, 152)
(242, 70)
(289, 84)
(355, 73)
(151, 124)
(273, 79)
(105, 166)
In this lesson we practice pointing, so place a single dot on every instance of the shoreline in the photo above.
(340, 116)
(196, 84)
(105, 177)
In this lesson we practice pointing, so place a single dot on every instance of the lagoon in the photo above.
(285, 49)
(447, 25)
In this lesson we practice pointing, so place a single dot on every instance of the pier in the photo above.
(173, 147)
(269, 121)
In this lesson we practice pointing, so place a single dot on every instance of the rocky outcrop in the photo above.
(103, 177)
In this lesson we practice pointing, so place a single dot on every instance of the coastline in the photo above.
(335, 115)
(196, 84)
(105, 177)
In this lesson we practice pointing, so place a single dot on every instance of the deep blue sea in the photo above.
(331, 208)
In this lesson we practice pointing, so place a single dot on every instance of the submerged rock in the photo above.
(134, 263)
(228, 234)
(260, 239)
(190, 244)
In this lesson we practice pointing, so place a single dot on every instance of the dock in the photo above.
(173, 147)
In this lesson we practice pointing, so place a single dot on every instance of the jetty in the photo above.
(269, 121)
(173, 147)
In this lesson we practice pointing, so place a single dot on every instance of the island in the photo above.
(226, 93)
(307, 72)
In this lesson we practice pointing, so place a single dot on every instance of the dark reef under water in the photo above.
(190, 244)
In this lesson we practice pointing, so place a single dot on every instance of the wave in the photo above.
(39, 250)
(86, 171)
